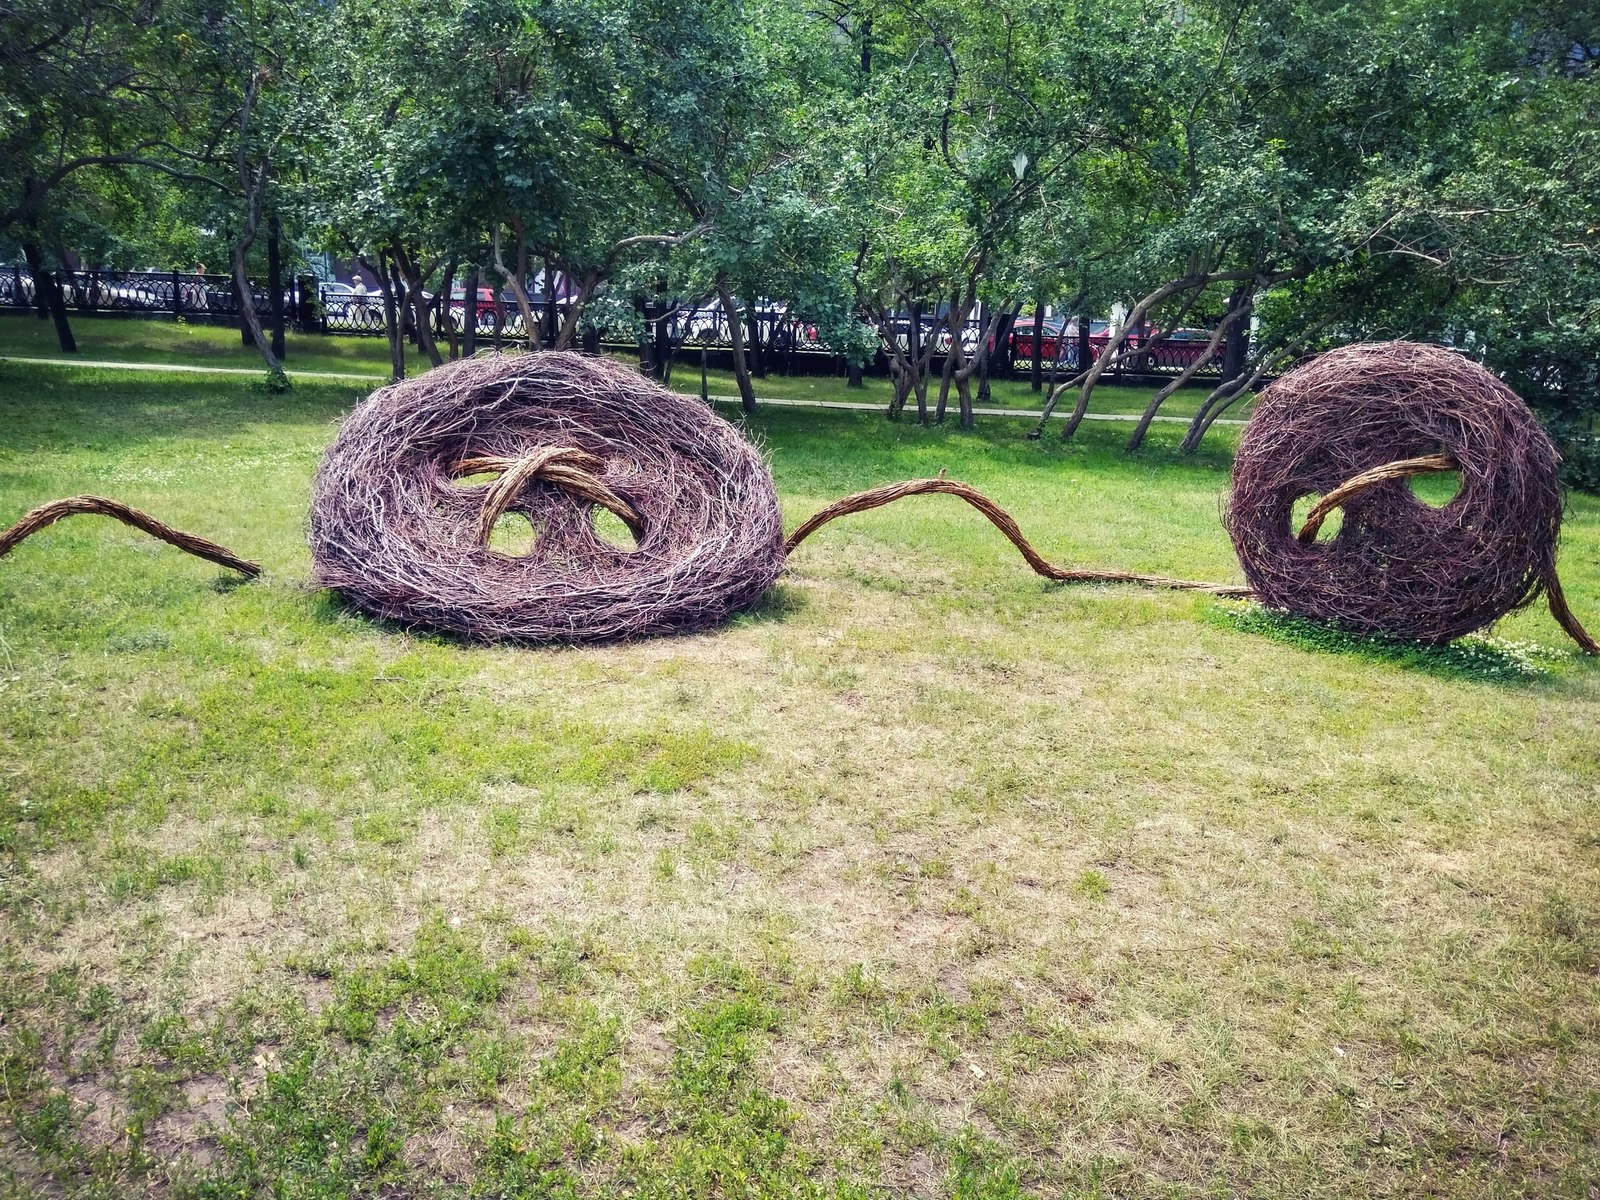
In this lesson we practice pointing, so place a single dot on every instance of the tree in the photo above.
(85, 85)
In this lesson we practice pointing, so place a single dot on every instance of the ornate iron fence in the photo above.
(782, 339)
(185, 294)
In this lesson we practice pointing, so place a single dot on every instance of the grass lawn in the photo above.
(125, 340)
(927, 879)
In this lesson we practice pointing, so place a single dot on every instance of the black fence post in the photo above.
(177, 298)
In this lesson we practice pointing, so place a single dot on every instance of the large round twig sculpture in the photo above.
(1349, 427)
(397, 529)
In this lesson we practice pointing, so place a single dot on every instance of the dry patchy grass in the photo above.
(926, 879)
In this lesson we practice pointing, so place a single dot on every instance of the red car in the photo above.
(486, 301)
(1055, 329)
(1023, 337)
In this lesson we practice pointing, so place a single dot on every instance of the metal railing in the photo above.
(336, 308)
(186, 294)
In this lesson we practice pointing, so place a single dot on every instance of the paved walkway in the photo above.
(775, 401)
(1031, 413)
(185, 368)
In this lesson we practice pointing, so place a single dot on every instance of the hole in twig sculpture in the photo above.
(613, 531)
(1436, 491)
(1327, 529)
(513, 535)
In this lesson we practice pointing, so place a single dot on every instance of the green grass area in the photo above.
(927, 878)
(164, 341)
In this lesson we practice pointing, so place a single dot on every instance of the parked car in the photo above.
(1028, 343)
(1063, 333)
(485, 309)
(342, 307)
(900, 331)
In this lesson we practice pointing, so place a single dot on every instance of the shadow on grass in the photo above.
(778, 603)
(1476, 657)
(330, 607)
(334, 608)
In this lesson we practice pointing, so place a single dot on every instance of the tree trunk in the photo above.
(515, 280)
(747, 391)
(919, 380)
(1055, 359)
(252, 319)
(1113, 350)
(992, 333)
(899, 369)
(247, 337)
(569, 326)
(946, 375)
(402, 298)
(1238, 306)
(391, 316)
(646, 311)
(1238, 344)
(48, 292)
(901, 391)
(667, 347)
(1226, 394)
(275, 283)
(1037, 369)
(444, 309)
(758, 362)
(982, 356)
(962, 374)
(418, 303)
(665, 351)
(549, 303)
(469, 330)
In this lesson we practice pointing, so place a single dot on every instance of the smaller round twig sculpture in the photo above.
(398, 527)
(1350, 427)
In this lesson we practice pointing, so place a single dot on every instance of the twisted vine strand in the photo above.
(48, 514)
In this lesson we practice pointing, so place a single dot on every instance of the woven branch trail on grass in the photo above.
(48, 514)
(1003, 521)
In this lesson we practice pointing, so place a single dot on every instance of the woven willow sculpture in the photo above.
(408, 497)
